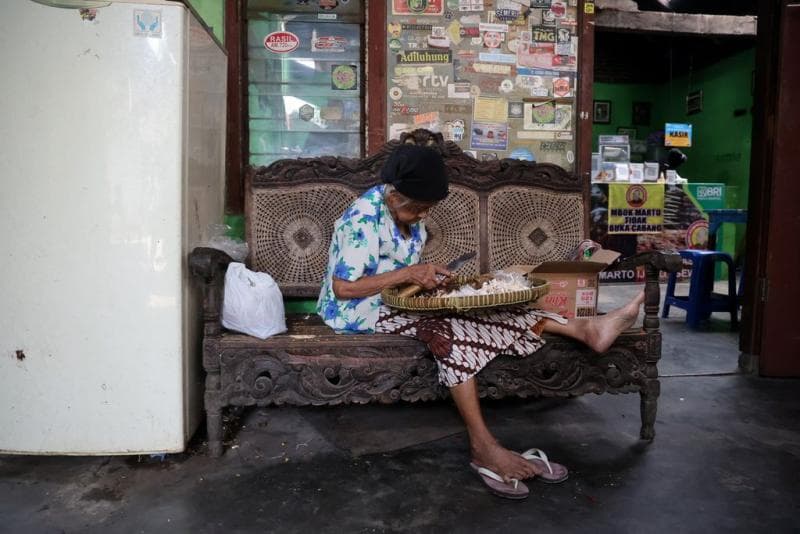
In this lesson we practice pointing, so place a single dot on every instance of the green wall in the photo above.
(622, 96)
(721, 142)
(720, 149)
(213, 14)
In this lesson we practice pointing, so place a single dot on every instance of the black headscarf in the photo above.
(417, 172)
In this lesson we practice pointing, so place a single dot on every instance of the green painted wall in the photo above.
(622, 96)
(721, 142)
(213, 14)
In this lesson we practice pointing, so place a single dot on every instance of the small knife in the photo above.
(413, 289)
(459, 262)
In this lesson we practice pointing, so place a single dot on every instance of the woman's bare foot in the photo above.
(602, 331)
(506, 463)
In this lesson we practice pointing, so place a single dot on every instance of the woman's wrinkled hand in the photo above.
(427, 275)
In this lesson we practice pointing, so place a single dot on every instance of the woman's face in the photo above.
(407, 211)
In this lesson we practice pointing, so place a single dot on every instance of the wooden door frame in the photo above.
(760, 187)
(761, 262)
(584, 105)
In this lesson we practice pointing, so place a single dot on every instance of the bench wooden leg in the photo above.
(213, 406)
(649, 406)
(214, 429)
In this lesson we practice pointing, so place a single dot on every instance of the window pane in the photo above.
(305, 93)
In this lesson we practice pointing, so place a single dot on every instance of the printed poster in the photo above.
(489, 109)
(489, 136)
(635, 209)
(547, 116)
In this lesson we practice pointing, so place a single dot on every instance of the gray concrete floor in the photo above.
(726, 458)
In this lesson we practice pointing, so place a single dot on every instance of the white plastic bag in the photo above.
(253, 303)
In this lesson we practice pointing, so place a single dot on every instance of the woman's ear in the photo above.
(391, 199)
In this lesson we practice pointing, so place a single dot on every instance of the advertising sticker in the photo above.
(561, 88)
(425, 56)
(535, 55)
(454, 130)
(543, 34)
(515, 110)
(489, 136)
(459, 90)
(547, 116)
(635, 209)
(491, 110)
(417, 7)
(344, 77)
(490, 57)
(281, 42)
(329, 43)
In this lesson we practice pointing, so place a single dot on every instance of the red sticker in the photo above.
(492, 39)
(281, 42)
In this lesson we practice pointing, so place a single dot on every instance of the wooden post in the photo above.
(236, 136)
(584, 103)
(375, 61)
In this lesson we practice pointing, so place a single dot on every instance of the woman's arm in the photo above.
(425, 274)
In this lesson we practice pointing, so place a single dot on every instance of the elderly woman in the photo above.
(377, 244)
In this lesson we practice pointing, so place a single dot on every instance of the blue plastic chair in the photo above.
(702, 300)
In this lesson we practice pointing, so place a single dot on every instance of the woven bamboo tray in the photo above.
(538, 289)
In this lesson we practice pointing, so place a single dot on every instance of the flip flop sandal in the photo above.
(553, 473)
(515, 489)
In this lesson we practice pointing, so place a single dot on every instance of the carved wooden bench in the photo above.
(511, 212)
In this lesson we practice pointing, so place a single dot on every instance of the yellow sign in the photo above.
(490, 109)
(588, 8)
(635, 208)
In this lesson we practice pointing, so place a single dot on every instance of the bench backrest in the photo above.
(509, 211)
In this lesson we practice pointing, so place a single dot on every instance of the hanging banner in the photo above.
(635, 209)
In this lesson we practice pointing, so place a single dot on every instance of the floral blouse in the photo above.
(366, 241)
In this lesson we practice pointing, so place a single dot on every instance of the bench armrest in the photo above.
(654, 262)
(209, 266)
(208, 263)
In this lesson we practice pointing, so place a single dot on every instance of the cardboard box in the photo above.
(573, 284)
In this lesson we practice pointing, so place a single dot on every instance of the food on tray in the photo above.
(462, 293)
(494, 284)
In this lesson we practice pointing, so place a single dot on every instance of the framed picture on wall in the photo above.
(627, 130)
(694, 102)
(602, 112)
(641, 113)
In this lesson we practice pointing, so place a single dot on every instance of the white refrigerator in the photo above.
(112, 144)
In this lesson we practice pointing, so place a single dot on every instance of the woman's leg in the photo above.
(486, 451)
(600, 332)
